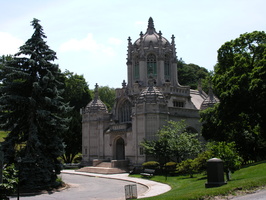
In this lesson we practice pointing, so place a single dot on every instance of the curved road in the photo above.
(89, 188)
(258, 195)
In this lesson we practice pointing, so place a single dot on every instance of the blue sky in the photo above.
(90, 37)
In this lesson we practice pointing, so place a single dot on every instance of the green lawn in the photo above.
(184, 187)
(3, 134)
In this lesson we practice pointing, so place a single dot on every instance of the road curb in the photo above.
(154, 188)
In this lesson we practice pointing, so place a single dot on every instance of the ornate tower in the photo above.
(151, 57)
(95, 120)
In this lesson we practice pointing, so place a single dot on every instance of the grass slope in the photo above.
(186, 188)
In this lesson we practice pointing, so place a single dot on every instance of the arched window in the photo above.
(151, 65)
(167, 67)
(136, 68)
(124, 112)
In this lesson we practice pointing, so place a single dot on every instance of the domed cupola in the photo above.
(151, 95)
(151, 37)
(96, 105)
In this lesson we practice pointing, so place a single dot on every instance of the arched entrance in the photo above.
(120, 149)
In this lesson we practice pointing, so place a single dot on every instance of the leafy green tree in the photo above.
(31, 108)
(190, 74)
(240, 81)
(227, 152)
(173, 142)
(107, 95)
(77, 93)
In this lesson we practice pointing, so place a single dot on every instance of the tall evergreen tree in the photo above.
(31, 108)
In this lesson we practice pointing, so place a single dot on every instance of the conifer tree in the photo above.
(31, 108)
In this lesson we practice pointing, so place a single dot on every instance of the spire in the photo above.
(151, 24)
(173, 47)
(124, 84)
(96, 93)
(150, 29)
(210, 93)
(129, 49)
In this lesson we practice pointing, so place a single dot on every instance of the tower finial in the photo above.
(151, 24)
(151, 28)
(96, 93)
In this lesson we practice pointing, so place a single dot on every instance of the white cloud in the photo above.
(114, 41)
(89, 44)
(141, 25)
(9, 44)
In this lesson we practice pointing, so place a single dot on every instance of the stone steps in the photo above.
(101, 170)
(105, 164)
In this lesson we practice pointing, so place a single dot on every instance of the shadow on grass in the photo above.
(202, 178)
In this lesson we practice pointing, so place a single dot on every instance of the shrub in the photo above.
(187, 167)
(171, 164)
(10, 180)
(151, 165)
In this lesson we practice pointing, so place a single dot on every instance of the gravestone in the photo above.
(215, 173)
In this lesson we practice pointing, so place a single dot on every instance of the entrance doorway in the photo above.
(120, 149)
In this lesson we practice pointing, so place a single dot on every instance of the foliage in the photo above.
(170, 164)
(225, 151)
(200, 162)
(240, 83)
(4, 59)
(197, 165)
(190, 74)
(107, 96)
(173, 142)
(150, 165)
(77, 93)
(3, 134)
(187, 167)
(228, 154)
(248, 178)
(10, 179)
(32, 109)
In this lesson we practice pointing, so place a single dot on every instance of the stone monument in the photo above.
(215, 173)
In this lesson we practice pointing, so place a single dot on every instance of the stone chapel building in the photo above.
(151, 97)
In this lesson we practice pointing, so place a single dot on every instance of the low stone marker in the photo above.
(215, 173)
(131, 192)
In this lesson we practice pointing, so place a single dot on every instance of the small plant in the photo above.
(151, 165)
(10, 179)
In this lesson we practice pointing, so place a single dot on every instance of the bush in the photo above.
(10, 180)
(187, 167)
(171, 164)
(151, 165)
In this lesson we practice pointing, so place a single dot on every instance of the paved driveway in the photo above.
(87, 188)
(258, 195)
